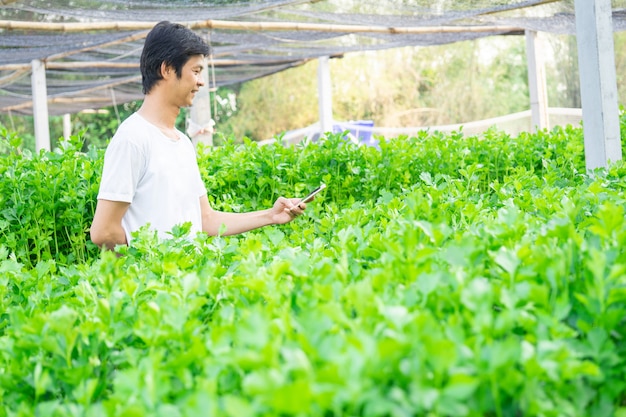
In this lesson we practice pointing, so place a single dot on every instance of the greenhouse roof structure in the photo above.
(90, 49)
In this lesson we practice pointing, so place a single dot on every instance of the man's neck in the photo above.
(158, 112)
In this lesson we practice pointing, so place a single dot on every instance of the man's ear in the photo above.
(166, 70)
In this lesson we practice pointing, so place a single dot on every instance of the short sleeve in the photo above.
(124, 164)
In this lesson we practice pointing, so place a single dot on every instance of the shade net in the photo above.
(88, 67)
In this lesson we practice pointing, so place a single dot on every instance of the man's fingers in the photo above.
(297, 209)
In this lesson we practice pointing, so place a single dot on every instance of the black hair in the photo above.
(171, 43)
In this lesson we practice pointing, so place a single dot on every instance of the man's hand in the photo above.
(287, 209)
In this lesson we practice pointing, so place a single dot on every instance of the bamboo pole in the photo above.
(14, 67)
(255, 26)
(285, 26)
(69, 100)
(135, 65)
(17, 74)
(94, 64)
(104, 101)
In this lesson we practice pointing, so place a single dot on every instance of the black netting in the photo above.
(20, 48)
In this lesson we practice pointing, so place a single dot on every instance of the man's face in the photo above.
(190, 81)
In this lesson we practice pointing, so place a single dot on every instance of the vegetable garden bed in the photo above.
(441, 275)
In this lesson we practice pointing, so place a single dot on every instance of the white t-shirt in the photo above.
(158, 176)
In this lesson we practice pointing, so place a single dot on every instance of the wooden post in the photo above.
(200, 125)
(325, 98)
(537, 82)
(40, 105)
(598, 85)
(67, 126)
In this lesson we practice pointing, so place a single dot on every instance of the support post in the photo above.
(537, 82)
(67, 126)
(40, 105)
(200, 123)
(325, 98)
(598, 84)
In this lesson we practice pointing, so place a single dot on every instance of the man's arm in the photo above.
(106, 229)
(283, 211)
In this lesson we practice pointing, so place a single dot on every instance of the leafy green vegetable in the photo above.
(438, 275)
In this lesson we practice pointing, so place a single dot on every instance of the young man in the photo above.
(150, 173)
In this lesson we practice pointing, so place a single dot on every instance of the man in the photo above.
(150, 173)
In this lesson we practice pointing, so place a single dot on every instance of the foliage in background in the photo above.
(401, 87)
(280, 102)
(47, 201)
(99, 127)
(438, 275)
(444, 84)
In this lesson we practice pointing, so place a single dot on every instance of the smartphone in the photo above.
(313, 193)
